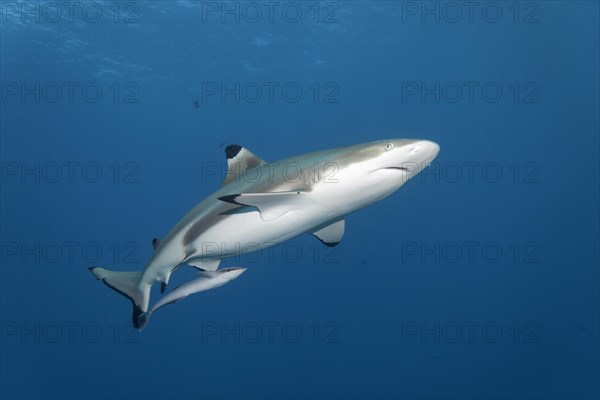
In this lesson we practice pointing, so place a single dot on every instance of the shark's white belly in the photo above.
(248, 232)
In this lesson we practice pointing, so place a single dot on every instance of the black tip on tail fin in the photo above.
(142, 320)
(138, 318)
(126, 283)
(137, 309)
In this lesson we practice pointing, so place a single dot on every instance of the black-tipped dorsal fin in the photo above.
(155, 243)
(239, 160)
(331, 234)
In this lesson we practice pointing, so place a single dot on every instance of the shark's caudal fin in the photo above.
(128, 284)
(143, 319)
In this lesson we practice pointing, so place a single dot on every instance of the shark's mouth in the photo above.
(400, 168)
(391, 168)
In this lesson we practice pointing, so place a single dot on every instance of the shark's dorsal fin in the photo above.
(155, 243)
(239, 160)
(331, 234)
(271, 205)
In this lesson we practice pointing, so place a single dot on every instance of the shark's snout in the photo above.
(408, 155)
(425, 150)
(232, 272)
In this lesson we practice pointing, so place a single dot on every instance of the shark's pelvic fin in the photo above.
(239, 160)
(205, 265)
(331, 234)
(128, 284)
(155, 243)
(270, 205)
(165, 282)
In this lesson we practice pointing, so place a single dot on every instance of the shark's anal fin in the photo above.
(155, 243)
(332, 234)
(204, 265)
(270, 205)
(239, 160)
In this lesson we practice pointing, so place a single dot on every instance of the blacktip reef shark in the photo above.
(261, 204)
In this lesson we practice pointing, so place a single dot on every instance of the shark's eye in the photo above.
(389, 146)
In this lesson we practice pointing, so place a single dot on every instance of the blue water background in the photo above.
(376, 318)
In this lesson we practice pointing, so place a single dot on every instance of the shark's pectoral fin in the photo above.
(270, 205)
(331, 234)
(239, 160)
(204, 265)
(155, 243)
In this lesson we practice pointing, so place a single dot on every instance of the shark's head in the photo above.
(406, 157)
(230, 273)
(374, 170)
